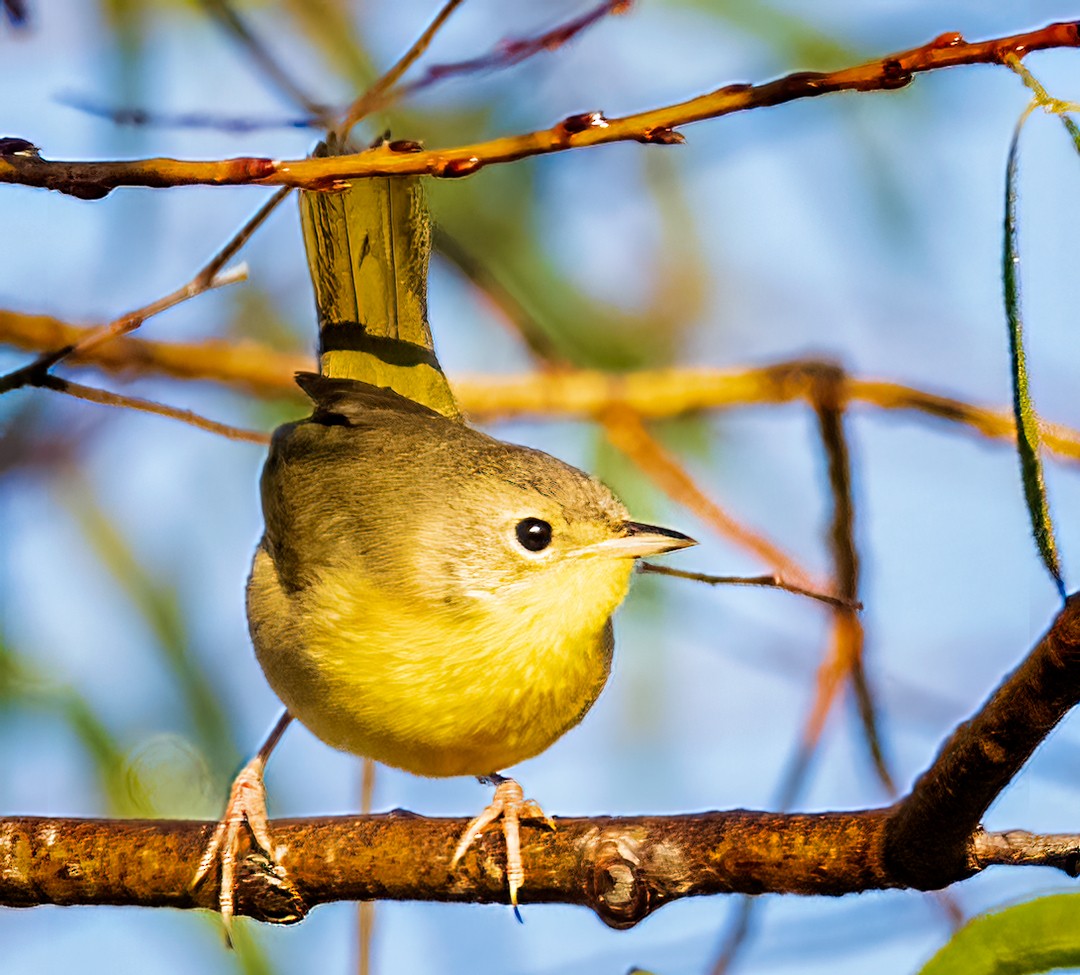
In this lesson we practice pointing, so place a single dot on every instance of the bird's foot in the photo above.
(244, 816)
(509, 804)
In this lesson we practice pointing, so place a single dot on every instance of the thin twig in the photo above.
(93, 180)
(128, 323)
(31, 373)
(210, 276)
(627, 433)
(106, 398)
(1019, 847)
(222, 11)
(242, 236)
(373, 97)
(828, 403)
(738, 932)
(511, 52)
(767, 582)
(143, 117)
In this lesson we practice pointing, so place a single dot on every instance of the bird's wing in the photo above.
(353, 402)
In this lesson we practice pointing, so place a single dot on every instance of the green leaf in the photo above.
(1073, 130)
(1027, 421)
(1038, 936)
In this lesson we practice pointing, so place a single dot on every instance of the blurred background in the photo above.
(862, 228)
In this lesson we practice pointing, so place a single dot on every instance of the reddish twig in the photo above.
(627, 433)
(510, 52)
(93, 180)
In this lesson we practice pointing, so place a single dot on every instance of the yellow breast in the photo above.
(434, 690)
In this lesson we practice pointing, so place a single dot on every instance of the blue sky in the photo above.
(862, 228)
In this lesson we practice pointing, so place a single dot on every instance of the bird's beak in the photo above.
(638, 541)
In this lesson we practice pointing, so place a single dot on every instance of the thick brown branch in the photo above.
(926, 840)
(623, 868)
(93, 180)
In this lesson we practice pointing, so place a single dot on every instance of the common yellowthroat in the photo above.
(423, 595)
(428, 596)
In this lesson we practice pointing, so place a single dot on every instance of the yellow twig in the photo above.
(580, 393)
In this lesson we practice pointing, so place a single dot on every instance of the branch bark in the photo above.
(94, 180)
(622, 868)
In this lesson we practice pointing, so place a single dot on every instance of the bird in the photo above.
(431, 597)
(424, 594)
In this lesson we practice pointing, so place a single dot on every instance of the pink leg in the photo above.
(510, 804)
(246, 807)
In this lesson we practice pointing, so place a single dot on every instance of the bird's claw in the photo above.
(510, 805)
(246, 808)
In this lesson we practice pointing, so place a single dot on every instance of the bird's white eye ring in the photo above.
(533, 534)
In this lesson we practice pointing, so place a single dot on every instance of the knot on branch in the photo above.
(629, 873)
(814, 380)
(616, 887)
(265, 892)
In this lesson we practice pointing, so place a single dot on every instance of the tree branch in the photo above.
(585, 393)
(622, 868)
(927, 838)
(93, 180)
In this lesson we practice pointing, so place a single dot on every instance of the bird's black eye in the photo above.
(534, 534)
